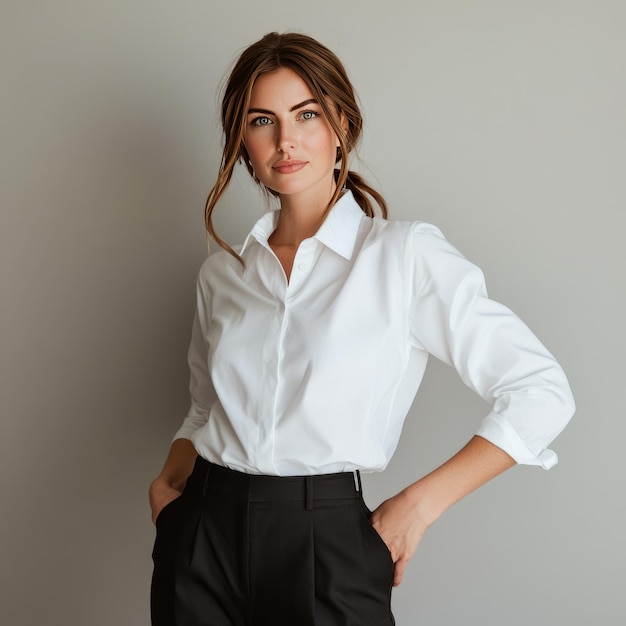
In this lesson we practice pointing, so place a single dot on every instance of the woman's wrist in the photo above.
(178, 465)
(425, 506)
(167, 481)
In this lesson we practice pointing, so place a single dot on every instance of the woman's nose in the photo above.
(287, 139)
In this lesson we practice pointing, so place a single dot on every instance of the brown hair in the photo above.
(325, 76)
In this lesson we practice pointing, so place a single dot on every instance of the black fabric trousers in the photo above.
(242, 550)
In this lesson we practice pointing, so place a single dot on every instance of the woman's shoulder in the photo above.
(421, 247)
(406, 232)
(218, 263)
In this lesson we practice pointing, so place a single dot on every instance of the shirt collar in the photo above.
(338, 232)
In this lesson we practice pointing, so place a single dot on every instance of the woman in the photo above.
(307, 349)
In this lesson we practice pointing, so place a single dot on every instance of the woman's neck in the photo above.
(300, 217)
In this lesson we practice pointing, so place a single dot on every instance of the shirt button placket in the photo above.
(274, 334)
(282, 319)
(301, 265)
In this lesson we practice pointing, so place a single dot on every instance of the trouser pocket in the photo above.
(372, 538)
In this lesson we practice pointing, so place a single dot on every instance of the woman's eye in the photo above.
(261, 121)
(308, 115)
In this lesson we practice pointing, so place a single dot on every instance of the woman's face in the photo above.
(291, 145)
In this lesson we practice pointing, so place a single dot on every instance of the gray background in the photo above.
(501, 122)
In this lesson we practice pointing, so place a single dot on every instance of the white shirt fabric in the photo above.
(316, 375)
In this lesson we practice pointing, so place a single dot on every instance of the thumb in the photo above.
(398, 572)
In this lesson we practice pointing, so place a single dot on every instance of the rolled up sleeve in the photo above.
(493, 351)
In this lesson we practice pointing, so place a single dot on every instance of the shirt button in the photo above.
(302, 266)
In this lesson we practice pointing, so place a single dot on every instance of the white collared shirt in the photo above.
(316, 375)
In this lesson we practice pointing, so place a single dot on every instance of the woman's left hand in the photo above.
(400, 526)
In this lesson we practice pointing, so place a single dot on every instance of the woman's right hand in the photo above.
(161, 494)
(169, 484)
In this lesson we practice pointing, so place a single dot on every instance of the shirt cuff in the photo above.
(495, 429)
(186, 431)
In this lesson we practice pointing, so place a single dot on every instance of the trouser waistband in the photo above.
(255, 487)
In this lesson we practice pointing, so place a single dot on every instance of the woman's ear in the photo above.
(345, 125)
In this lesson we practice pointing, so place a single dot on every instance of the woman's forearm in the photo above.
(475, 464)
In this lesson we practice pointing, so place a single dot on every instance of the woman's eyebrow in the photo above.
(303, 104)
(293, 108)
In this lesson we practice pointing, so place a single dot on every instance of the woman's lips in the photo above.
(288, 167)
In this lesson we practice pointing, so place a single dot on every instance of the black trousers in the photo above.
(242, 550)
